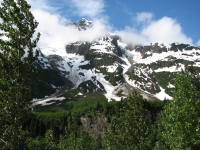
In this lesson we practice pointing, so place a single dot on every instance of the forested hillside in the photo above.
(132, 123)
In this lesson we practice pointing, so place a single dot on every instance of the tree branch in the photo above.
(3, 141)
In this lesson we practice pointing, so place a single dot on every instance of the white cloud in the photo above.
(41, 4)
(198, 43)
(144, 17)
(55, 34)
(130, 35)
(52, 26)
(165, 30)
(88, 8)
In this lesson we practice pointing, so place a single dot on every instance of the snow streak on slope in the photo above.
(190, 55)
(71, 63)
(132, 61)
(103, 45)
(162, 95)
(45, 101)
(171, 69)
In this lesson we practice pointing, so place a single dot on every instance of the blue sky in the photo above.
(186, 12)
(136, 21)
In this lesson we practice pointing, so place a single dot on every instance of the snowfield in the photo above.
(71, 62)
(190, 55)
(44, 102)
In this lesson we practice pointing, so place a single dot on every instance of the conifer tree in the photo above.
(17, 72)
(179, 127)
(129, 129)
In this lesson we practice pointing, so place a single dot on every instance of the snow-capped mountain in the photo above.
(83, 24)
(112, 67)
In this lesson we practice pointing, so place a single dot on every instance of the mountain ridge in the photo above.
(109, 64)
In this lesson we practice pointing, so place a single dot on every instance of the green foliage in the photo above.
(17, 72)
(74, 138)
(98, 60)
(43, 89)
(129, 128)
(68, 133)
(164, 79)
(155, 107)
(51, 76)
(75, 103)
(104, 59)
(114, 77)
(91, 87)
(58, 131)
(46, 143)
(145, 82)
(77, 140)
(179, 125)
(45, 81)
(133, 121)
(71, 93)
(162, 64)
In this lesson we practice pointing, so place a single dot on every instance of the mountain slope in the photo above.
(113, 68)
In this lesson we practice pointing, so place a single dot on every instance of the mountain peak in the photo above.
(83, 24)
(85, 21)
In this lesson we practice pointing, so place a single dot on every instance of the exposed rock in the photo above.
(91, 86)
(95, 126)
(83, 24)
(78, 48)
(125, 89)
(122, 91)
(117, 49)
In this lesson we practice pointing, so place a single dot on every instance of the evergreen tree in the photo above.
(17, 73)
(179, 127)
(74, 138)
(129, 130)
(41, 143)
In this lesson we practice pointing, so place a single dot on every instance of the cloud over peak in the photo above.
(52, 26)
(55, 34)
(198, 43)
(88, 8)
(144, 17)
(165, 30)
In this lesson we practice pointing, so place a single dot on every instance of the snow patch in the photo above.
(189, 55)
(45, 101)
(170, 85)
(171, 69)
(162, 95)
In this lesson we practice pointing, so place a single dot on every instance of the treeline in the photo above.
(132, 123)
(64, 130)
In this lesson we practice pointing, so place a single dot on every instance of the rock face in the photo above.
(83, 24)
(95, 126)
(156, 48)
(78, 48)
(91, 86)
(55, 60)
